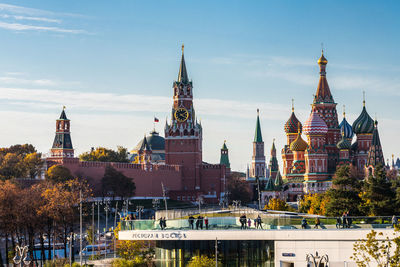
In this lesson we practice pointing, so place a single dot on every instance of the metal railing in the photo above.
(267, 222)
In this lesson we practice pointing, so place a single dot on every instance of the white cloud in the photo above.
(19, 17)
(26, 27)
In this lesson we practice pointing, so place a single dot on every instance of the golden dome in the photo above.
(322, 60)
(298, 144)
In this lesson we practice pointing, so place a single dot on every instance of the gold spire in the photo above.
(183, 48)
(258, 112)
(344, 111)
(292, 105)
(363, 98)
(64, 107)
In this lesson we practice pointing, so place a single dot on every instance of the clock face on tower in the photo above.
(181, 114)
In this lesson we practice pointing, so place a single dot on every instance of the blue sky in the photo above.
(112, 63)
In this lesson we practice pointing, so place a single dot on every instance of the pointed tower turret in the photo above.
(325, 106)
(62, 145)
(278, 181)
(224, 160)
(375, 154)
(258, 159)
(273, 162)
(182, 75)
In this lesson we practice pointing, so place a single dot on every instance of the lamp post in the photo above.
(139, 210)
(98, 203)
(317, 260)
(165, 199)
(200, 201)
(107, 208)
(258, 192)
(156, 203)
(236, 204)
(126, 205)
(22, 256)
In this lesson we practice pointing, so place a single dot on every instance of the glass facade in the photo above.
(258, 253)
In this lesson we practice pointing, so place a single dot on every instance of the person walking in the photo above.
(198, 222)
(249, 222)
(338, 222)
(206, 222)
(317, 223)
(161, 223)
(394, 221)
(259, 222)
(164, 223)
(304, 223)
(344, 220)
(348, 219)
(191, 221)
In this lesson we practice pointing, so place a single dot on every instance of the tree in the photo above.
(106, 155)
(58, 173)
(33, 164)
(115, 183)
(378, 248)
(201, 261)
(344, 194)
(314, 204)
(277, 204)
(378, 196)
(239, 190)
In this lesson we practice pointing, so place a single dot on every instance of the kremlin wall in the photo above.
(175, 162)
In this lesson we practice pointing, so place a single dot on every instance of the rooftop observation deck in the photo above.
(268, 222)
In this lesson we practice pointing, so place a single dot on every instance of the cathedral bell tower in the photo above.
(183, 136)
(62, 145)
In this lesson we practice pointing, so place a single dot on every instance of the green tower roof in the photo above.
(257, 135)
(224, 160)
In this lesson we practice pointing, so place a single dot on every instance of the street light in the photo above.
(98, 204)
(139, 209)
(22, 256)
(236, 204)
(156, 203)
(200, 201)
(126, 205)
(317, 260)
(107, 208)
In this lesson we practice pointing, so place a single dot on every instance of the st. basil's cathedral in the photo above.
(309, 164)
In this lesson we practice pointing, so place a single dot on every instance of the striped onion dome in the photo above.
(364, 124)
(298, 144)
(315, 125)
(344, 143)
(291, 124)
(345, 129)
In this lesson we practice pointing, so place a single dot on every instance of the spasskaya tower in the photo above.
(183, 136)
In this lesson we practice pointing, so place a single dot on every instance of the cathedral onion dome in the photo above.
(315, 125)
(322, 60)
(345, 129)
(298, 144)
(364, 124)
(291, 124)
(344, 143)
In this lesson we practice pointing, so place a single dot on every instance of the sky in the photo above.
(112, 64)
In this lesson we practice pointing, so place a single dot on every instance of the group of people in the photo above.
(163, 223)
(344, 221)
(200, 221)
(304, 223)
(246, 223)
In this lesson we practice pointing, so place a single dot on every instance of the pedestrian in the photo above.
(338, 222)
(201, 222)
(249, 222)
(206, 222)
(198, 222)
(259, 222)
(348, 219)
(161, 223)
(344, 219)
(304, 223)
(394, 221)
(255, 223)
(191, 221)
(317, 223)
(165, 223)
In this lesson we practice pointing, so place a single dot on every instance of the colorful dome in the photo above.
(345, 129)
(322, 60)
(364, 124)
(315, 125)
(154, 140)
(344, 143)
(298, 144)
(291, 124)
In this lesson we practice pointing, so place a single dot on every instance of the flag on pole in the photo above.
(156, 119)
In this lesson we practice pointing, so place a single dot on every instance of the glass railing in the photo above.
(273, 222)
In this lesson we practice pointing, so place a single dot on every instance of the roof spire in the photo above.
(257, 135)
(344, 111)
(63, 116)
(292, 105)
(363, 98)
(182, 76)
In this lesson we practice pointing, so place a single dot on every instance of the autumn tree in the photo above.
(383, 250)
(115, 183)
(344, 194)
(58, 173)
(278, 204)
(239, 190)
(378, 196)
(314, 204)
(201, 261)
(106, 155)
